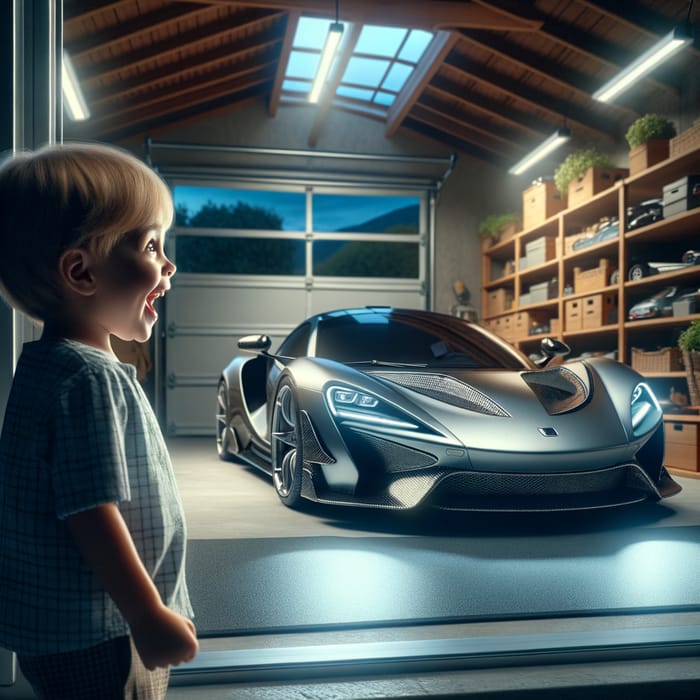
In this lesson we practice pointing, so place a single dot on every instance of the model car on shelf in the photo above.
(401, 408)
(661, 303)
(644, 214)
(638, 270)
(607, 230)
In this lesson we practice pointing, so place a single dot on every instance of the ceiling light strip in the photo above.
(544, 149)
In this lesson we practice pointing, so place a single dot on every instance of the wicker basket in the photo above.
(662, 360)
(691, 360)
(685, 142)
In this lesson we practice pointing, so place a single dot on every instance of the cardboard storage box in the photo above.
(554, 326)
(682, 445)
(593, 279)
(647, 154)
(540, 202)
(498, 301)
(540, 251)
(573, 315)
(539, 292)
(598, 310)
(594, 180)
(681, 195)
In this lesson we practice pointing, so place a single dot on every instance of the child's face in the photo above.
(129, 282)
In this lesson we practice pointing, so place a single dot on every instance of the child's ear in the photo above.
(75, 270)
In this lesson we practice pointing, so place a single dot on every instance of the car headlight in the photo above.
(349, 403)
(646, 411)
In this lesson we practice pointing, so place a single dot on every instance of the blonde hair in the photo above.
(69, 196)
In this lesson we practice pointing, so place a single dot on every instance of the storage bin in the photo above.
(594, 180)
(681, 445)
(540, 251)
(685, 142)
(541, 201)
(598, 310)
(647, 154)
(595, 278)
(498, 301)
(681, 195)
(539, 292)
(661, 360)
(573, 315)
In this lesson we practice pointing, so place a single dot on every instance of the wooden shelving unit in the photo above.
(664, 240)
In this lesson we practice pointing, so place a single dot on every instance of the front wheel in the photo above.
(286, 444)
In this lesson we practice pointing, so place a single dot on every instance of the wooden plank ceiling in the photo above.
(504, 75)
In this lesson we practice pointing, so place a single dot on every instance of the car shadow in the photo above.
(440, 523)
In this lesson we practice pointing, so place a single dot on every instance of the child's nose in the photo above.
(169, 268)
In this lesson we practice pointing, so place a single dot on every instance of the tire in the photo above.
(224, 432)
(637, 271)
(286, 446)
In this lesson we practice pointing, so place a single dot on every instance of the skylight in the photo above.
(378, 65)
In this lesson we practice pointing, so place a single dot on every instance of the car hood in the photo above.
(561, 409)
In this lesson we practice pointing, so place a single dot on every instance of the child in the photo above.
(93, 597)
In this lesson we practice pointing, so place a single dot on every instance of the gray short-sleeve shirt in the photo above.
(79, 432)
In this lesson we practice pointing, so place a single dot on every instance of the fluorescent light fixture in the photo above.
(335, 33)
(671, 44)
(72, 94)
(544, 149)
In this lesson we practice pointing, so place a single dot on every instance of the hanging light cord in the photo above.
(687, 18)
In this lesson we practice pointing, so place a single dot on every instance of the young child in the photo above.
(93, 597)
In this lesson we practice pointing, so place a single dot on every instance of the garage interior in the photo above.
(350, 603)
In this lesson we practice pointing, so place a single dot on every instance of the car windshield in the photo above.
(414, 338)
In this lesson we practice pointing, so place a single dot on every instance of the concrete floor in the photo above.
(225, 500)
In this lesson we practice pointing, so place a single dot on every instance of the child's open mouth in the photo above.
(150, 301)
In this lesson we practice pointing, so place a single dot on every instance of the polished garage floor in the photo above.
(333, 602)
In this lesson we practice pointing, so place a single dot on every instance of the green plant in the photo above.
(576, 164)
(689, 339)
(648, 128)
(493, 224)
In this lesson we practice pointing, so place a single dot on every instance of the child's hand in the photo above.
(164, 638)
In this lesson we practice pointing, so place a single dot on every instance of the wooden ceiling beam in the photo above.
(426, 68)
(85, 9)
(513, 117)
(485, 128)
(436, 14)
(94, 73)
(170, 101)
(276, 94)
(204, 64)
(568, 80)
(134, 28)
(514, 91)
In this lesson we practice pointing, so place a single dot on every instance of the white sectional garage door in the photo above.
(298, 251)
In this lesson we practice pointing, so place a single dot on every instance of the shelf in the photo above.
(661, 241)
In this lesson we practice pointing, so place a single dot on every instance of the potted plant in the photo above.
(497, 227)
(584, 173)
(648, 138)
(689, 343)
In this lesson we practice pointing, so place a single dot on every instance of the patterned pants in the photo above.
(112, 670)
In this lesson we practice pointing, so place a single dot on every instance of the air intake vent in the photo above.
(446, 389)
(559, 389)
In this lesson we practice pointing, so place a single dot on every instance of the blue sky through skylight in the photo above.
(378, 67)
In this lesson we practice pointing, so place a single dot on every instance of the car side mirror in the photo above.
(550, 348)
(255, 343)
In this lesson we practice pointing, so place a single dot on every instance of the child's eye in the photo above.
(151, 247)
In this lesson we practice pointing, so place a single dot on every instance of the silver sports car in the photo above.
(396, 408)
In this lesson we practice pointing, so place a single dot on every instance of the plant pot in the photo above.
(691, 360)
(648, 154)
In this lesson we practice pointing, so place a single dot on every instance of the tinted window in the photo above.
(412, 338)
(297, 342)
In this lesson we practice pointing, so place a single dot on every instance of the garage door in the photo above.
(260, 260)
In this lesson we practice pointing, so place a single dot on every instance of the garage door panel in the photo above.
(192, 409)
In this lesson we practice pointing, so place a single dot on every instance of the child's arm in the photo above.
(161, 636)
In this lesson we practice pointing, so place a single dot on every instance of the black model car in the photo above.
(641, 269)
(661, 303)
(644, 214)
(395, 408)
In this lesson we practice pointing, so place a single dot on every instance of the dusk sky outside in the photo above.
(331, 212)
